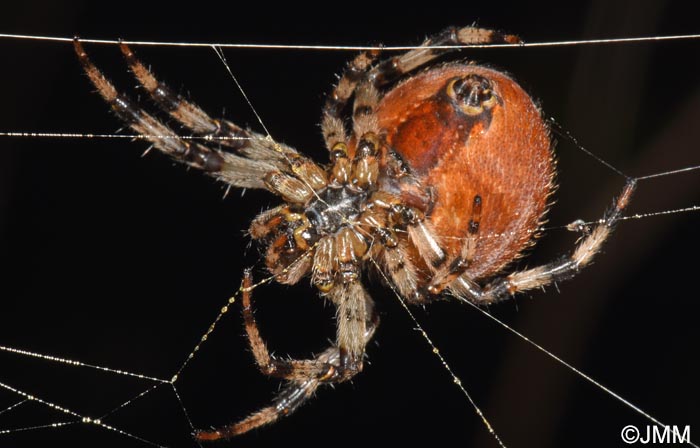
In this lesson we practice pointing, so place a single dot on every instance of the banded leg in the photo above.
(235, 170)
(402, 272)
(245, 142)
(353, 321)
(332, 123)
(452, 268)
(290, 398)
(391, 69)
(299, 370)
(563, 269)
(356, 322)
(300, 387)
(185, 112)
(364, 172)
(361, 70)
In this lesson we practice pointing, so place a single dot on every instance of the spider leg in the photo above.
(358, 164)
(245, 142)
(290, 398)
(391, 69)
(235, 170)
(355, 320)
(401, 271)
(334, 364)
(299, 370)
(332, 122)
(288, 256)
(562, 269)
(179, 108)
(361, 70)
(453, 267)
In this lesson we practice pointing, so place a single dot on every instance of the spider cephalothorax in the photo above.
(441, 181)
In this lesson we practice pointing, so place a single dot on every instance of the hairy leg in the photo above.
(335, 364)
(563, 269)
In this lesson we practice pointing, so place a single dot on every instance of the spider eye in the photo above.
(473, 94)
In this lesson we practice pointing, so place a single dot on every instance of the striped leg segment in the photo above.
(256, 156)
(357, 323)
(563, 269)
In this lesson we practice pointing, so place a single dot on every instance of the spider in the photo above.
(439, 177)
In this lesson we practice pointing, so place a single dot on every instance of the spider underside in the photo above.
(370, 208)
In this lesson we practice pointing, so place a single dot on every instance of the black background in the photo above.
(123, 261)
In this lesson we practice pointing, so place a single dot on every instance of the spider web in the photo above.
(121, 264)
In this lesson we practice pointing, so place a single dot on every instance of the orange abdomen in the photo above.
(501, 153)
